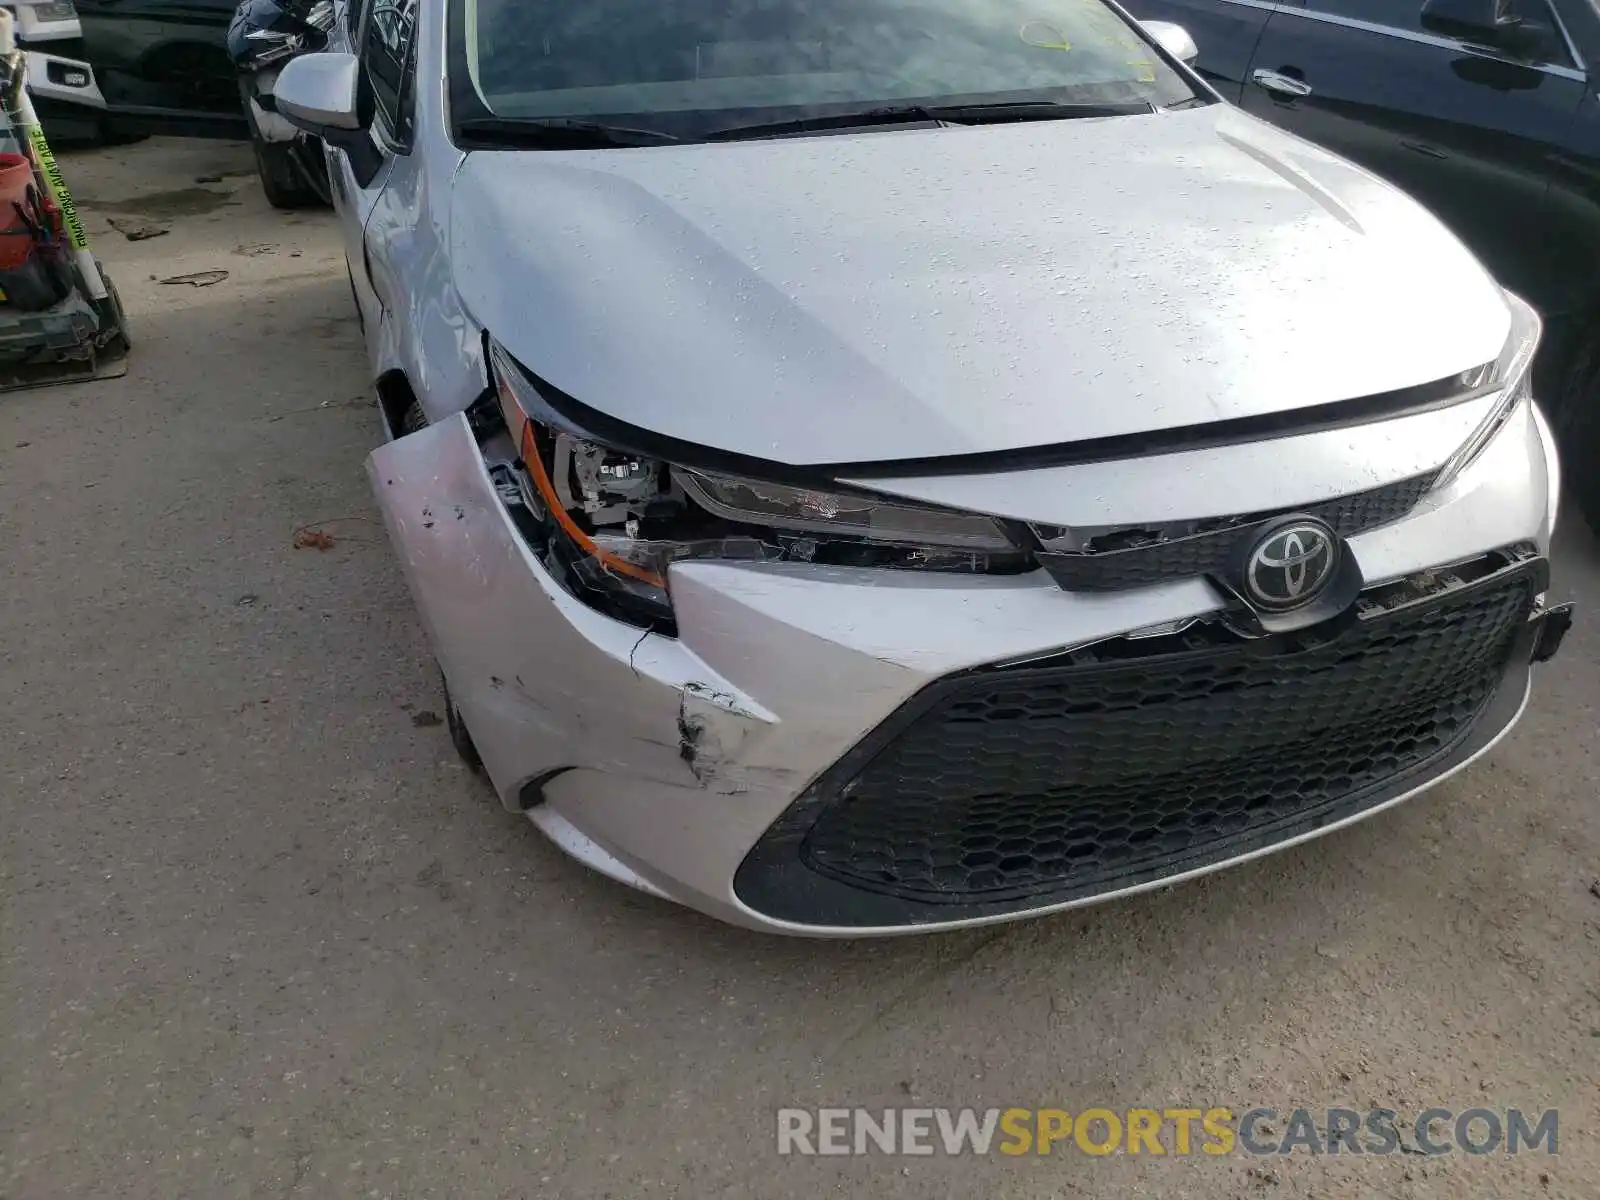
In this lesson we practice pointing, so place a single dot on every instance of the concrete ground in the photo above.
(262, 936)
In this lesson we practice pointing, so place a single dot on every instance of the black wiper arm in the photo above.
(901, 114)
(956, 114)
(553, 133)
(1037, 110)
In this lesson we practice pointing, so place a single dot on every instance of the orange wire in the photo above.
(541, 478)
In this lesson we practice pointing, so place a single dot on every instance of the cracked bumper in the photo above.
(269, 123)
(661, 762)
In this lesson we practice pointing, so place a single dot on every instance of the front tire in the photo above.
(282, 182)
(279, 166)
(460, 737)
(413, 419)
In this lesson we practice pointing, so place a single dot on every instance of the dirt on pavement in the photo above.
(261, 935)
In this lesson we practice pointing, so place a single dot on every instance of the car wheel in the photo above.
(413, 419)
(281, 181)
(460, 738)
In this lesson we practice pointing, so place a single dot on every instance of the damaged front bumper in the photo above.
(1553, 627)
(663, 762)
(260, 97)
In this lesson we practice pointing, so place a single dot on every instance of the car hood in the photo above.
(923, 293)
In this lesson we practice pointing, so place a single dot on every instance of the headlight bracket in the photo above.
(611, 521)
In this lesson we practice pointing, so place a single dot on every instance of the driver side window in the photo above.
(1406, 16)
(388, 51)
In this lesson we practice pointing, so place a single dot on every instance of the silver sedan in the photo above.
(875, 465)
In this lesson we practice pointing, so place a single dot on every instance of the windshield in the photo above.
(689, 65)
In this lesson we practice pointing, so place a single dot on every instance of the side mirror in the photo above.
(1174, 39)
(318, 93)
(1486, 22)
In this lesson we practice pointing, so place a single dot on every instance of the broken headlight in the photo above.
(611, 522)
(1512, 375)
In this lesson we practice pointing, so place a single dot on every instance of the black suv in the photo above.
(1485, 110)
(163, 65)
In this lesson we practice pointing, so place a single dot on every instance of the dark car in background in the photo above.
(205, 68)
(163, 66)
(264, 36)
(1485, 110)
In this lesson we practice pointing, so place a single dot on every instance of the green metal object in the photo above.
(85, 335)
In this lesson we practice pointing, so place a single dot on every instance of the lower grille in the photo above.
(1026, 786)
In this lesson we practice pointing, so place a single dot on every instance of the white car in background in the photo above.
(868, 466)
(61, 82)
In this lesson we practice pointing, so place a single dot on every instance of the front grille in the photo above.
(1138, 558)
(1031, 785)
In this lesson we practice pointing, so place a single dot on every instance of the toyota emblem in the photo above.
(1291, 565)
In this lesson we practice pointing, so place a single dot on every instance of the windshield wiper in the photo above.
(553, 133)
(993, 112)
(568, 133)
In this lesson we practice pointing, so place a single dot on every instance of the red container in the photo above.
(16, 182)
(16, 177)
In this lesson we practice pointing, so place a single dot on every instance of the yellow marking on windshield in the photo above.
(1145, 66)
(1045, 35)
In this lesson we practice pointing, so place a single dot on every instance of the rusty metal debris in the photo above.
(137, 231)
(198, 278)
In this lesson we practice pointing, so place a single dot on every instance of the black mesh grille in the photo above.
(1073, 780)
(1139, 558)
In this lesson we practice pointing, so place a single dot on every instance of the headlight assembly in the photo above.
(834, 515)
(1512, 375)
(58, 10)
(610, 521)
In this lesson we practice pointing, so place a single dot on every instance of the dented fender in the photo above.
(546, 683)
